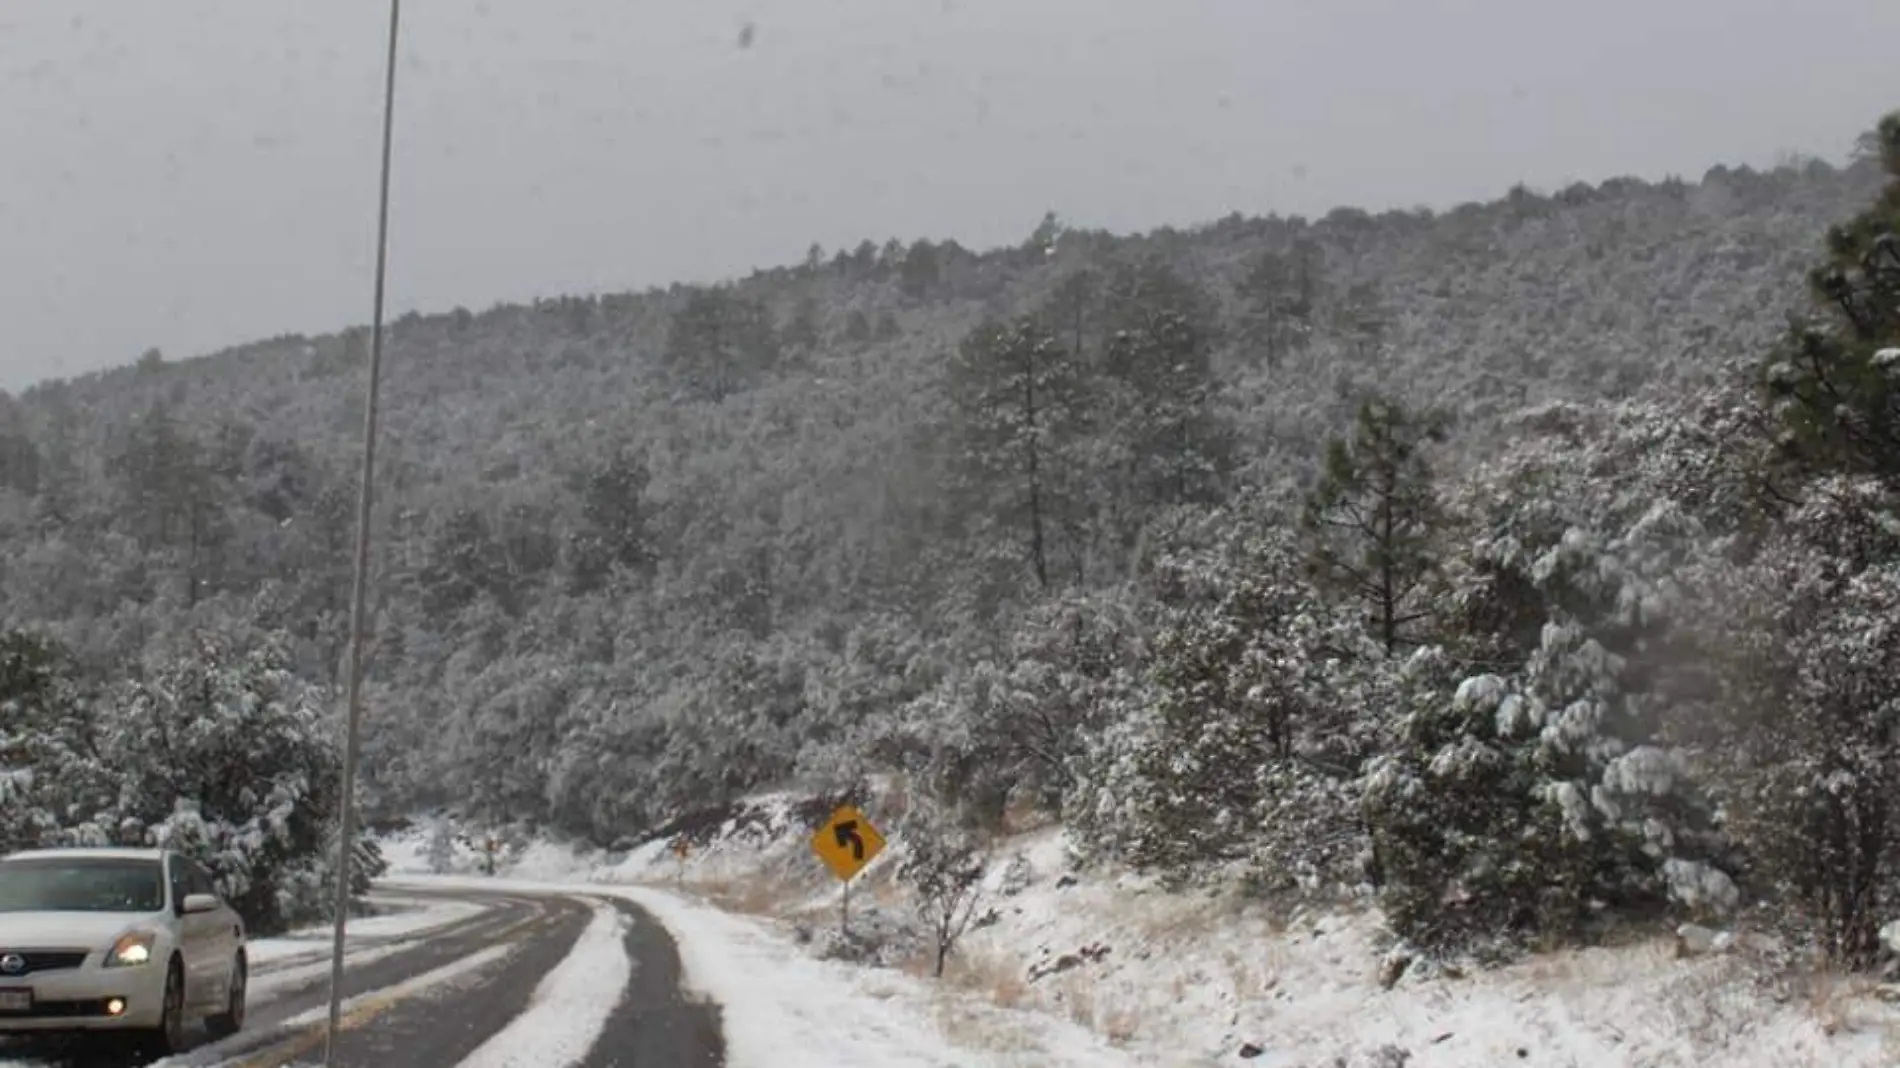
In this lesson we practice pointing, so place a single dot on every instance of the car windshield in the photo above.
(81, 884)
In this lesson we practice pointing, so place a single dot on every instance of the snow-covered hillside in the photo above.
(1179, 979)
(1525, 562)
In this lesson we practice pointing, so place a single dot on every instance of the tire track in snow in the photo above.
(439, 1028)
(571, 1006)
(657, 1022)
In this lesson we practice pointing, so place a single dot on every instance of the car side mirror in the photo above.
(196, 903)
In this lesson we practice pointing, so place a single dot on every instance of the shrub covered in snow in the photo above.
(1011, 729)
(46, 736)
(226, 755)
(1242, 744)
(221, 753)
(944, 868)
(1808, 765)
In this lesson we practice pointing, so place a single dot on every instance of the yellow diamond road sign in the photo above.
(847, 842)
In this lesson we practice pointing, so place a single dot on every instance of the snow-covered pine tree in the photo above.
(1447, 808)
(1553, 781)
(1805, 746)
(1372, 519)
(1811, 764)
(1022, 403)
(1836, 381)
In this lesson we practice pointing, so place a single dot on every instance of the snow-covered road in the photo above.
(780, 1008)
(491, 973)
(485, 976)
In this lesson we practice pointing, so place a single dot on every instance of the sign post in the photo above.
(846, 843)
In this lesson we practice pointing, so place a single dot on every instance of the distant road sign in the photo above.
(847, 842)
(681, 847)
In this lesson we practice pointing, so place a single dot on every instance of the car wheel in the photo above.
(231, 1020)
(170, 1036)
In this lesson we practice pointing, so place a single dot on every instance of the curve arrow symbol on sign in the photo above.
(847, 833)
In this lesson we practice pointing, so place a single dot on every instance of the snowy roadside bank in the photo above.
(1170, 979)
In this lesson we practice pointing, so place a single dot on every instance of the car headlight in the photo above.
(132, 950)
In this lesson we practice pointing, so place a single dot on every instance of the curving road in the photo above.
(463, 991)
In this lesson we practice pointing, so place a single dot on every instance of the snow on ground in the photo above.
(1204, 974)
(548, 862)
(571, 1007)
(302, 956)
(783, 1009)
(397, 918)
(411, 850)
(406, 851)
(1177, 979)
(766, 838)
(780, 1008)
(295, 972)
(443, 845)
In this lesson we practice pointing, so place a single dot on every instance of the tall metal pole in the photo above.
(359, 589)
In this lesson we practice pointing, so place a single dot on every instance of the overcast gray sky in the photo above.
(195, 173)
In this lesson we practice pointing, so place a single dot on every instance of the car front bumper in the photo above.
(79, 999)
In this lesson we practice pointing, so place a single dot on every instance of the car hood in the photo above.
(90, 931)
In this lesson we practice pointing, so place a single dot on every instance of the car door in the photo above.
(197, 934)
(222, 935)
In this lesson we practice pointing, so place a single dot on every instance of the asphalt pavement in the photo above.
(430, 998)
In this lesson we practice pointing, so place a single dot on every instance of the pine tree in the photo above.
(1022, 405)
(920, 271)
(800, 333)
(172, 499)
(1526, 797)
(1072, 313)
(1173, 447)
(1280, 294)
(720, 342)
(1807, 702)
(464, 562)
(1836, 380)
(613, 532)
(1041, 242)
(1371, 519)
(1361, 321)
(21, 466)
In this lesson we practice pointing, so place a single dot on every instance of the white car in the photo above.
(117, 940)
